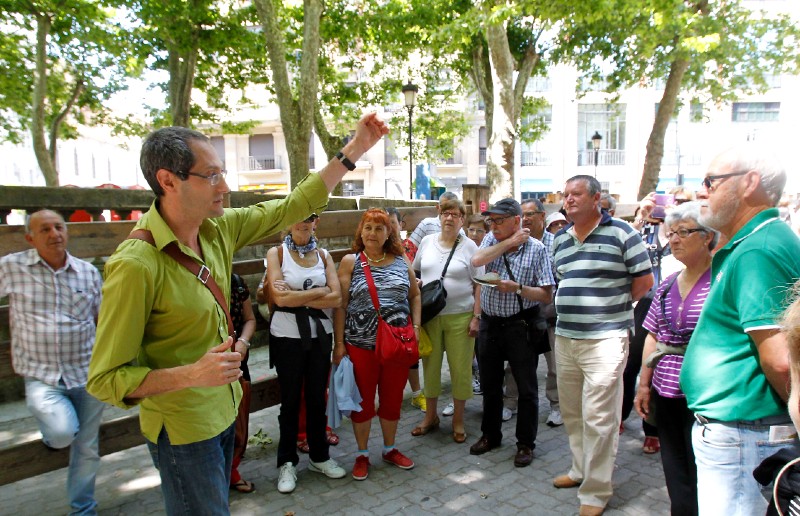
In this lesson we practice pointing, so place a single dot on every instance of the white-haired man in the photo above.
(735, 372)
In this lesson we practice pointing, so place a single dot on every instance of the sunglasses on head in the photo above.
(312, 218)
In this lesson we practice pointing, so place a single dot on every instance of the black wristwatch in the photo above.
(349, 165)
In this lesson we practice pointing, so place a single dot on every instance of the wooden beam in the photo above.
(33, 458)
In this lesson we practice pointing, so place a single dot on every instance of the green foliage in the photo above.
(85, 60)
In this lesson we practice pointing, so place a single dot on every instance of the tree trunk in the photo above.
(297, 115)
(43, 154)
(331, 143)
(500, 154)
(655, 143)
(182, 66)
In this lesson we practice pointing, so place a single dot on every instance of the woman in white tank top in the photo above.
(304, 287)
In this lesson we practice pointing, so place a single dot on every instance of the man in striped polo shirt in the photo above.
(602, 268)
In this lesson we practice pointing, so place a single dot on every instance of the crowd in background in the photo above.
(680, 314)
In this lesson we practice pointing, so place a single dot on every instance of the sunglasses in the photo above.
(708, 181)
(312, 218)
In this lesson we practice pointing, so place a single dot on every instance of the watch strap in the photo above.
(349, 165)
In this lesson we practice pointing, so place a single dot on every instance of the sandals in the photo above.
(333, 440)
(651, 445)
(243, 486)
(424, 430)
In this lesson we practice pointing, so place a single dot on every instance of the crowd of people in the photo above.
(685, 316)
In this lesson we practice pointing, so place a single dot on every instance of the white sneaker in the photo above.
(476, 386)
(507, 414)
(329, 468)
(287, 478)
(449, 409)
(555, 419)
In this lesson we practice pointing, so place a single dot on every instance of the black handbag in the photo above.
(433, 293)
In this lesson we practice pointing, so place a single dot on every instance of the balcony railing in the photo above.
(390, 159)
(605, 157)
(455, 159)
(261, 163)
(535, 159)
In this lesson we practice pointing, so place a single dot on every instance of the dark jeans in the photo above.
(680, 472)
(634, 365)
(496, 344)
(194, 477)
(301, 370)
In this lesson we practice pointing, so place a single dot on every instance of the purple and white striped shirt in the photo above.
(674, 326)
(53, 314)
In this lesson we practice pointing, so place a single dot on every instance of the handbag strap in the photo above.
(201, 272)
(452, 251)
(511, 277)
(373, 292)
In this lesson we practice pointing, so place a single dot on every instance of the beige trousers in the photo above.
(590, 395)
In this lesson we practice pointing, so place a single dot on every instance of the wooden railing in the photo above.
(95, 240)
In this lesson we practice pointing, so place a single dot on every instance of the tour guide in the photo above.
(162, 338)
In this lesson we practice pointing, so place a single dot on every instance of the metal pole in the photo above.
(596, 152)
(410, 156)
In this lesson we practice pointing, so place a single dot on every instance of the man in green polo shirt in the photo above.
(735, 372)
(162, 338)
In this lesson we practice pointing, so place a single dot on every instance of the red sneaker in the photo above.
(361, 467)
(398, 459)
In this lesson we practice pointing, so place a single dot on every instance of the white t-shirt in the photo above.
(430, 260)
(284, 324)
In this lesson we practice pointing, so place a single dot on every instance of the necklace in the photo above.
(375, 261)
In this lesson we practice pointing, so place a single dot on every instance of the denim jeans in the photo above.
(726, 454)
(195, 477)
(70, 417)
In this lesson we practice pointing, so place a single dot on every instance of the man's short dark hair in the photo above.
(592, 184)
(535, 201)
(168, 148)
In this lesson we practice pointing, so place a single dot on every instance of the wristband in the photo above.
(246, 342)
(349, 165)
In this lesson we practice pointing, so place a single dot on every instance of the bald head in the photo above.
(46, 231)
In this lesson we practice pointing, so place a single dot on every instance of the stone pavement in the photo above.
(446, 479)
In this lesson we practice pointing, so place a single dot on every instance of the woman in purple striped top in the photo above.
(671, 320)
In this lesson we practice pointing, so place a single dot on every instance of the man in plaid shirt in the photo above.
(54, 300)
(509, 328)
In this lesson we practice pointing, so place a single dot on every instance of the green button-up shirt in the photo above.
(155, 314)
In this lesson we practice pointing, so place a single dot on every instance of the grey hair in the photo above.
(612, 203)
(764, 161)
(168, 148)
(28, 217)
(447, 196)
(691, 211)
(592, 184)
(535, 201)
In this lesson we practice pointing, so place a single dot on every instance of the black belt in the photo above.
(525, 315)
(302, 314)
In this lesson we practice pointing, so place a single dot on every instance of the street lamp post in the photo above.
(596, 138)
(410, 93)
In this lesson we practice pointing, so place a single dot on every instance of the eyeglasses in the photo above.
(530, 214)
(497, 220)
(312, 218)
(683, 233)
(707, 182)
(476, 231)
(214, 179)
(678, 202)
(451, 214)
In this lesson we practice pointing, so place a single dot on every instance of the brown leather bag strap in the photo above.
(201, 272)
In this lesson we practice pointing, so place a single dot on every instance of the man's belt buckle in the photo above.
(204, 274)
